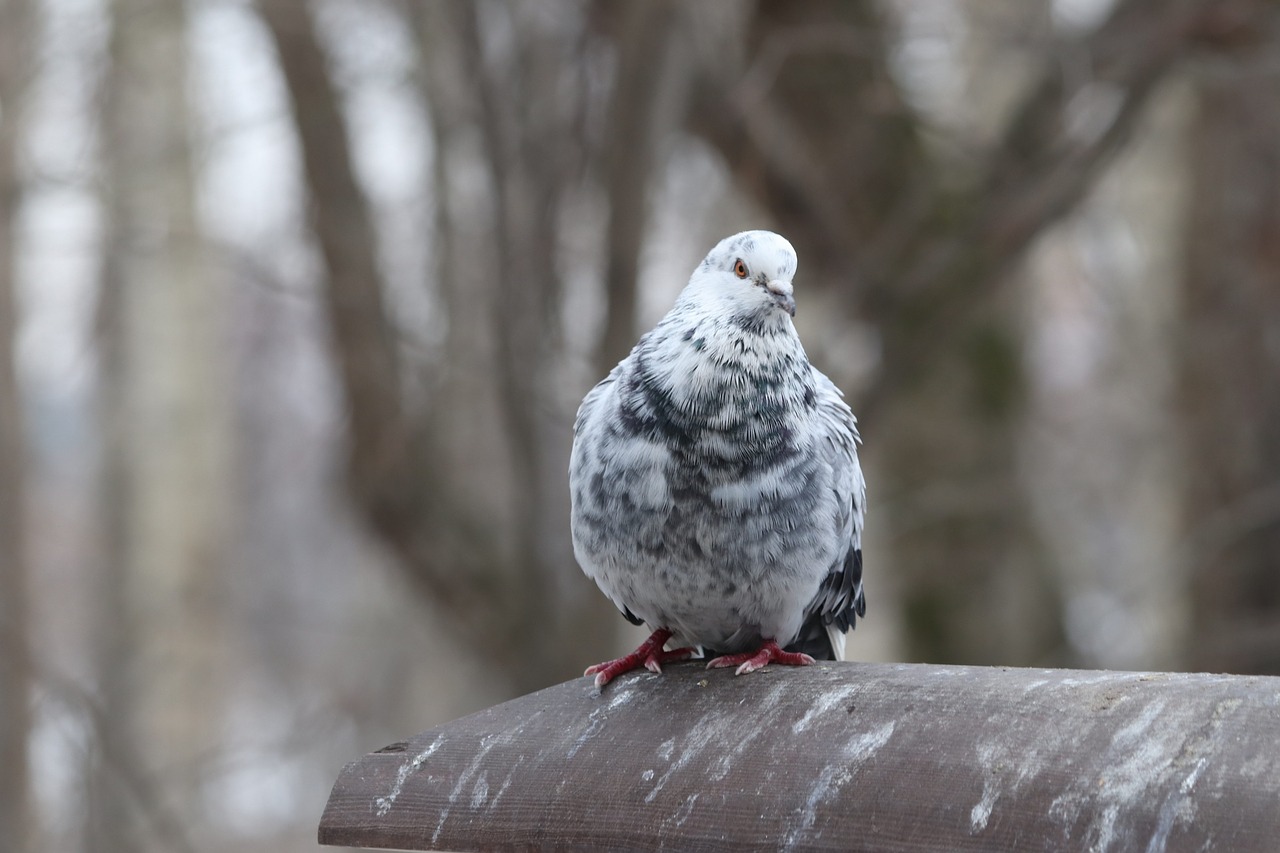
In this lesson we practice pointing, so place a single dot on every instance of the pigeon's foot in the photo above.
(768, 653)
(649, 655)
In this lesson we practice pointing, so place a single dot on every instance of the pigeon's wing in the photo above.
(590, 418)
(591, 402)
(840, 600)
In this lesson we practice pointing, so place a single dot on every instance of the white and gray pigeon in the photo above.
(714, 479)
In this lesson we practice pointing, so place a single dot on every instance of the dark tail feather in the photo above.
(813, 640)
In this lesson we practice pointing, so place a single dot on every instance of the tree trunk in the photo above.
(817, 131)
(109, 822)
(495, 558)
(1230, 364)
(636, 125)
(16, 815)
(166, 436)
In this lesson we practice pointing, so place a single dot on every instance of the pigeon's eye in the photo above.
(740, 269)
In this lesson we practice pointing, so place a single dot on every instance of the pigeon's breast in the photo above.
(726, 547)
(743, 556)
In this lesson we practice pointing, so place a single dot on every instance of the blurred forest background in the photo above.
(298, 299)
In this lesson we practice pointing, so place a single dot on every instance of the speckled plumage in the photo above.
(714, 478)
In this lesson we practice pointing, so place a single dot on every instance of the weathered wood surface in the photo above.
(837, 757)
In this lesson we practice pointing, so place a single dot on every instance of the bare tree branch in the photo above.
(925, 271)
(1042, 167)
(528, 108)
(814, 128)
(120, 763)
(388, 471)
(16, 36)
(633, 131)
(344, 230)
(397, 469)
(827, 145)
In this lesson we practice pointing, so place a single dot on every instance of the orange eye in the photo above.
(739, 268)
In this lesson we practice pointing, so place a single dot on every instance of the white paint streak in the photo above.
(866, 745)
(486, 743)
(595, 722)
(825, 703)
(686, 809)
(763, 710)
(1132, 734)
(1005, 766)
(1178, 806)
(406, 770)
(624, 694)
(1140, 759)
(1145, 756)
(836, 775)
(506, 783)
(981, 812)
(480, 793)
(1190, 782)
(701, 735)
(597, 718)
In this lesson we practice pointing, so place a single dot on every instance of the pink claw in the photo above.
(650, 654)
(769, 652)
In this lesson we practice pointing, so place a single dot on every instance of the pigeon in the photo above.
(714, 479)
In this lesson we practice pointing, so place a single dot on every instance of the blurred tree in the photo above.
(164, 426)
(817, 129)
(470, 491)
(801, 101)
(17, 32)
(1230, 348)
(642, 112)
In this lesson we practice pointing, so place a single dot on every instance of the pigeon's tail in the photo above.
(818, 640)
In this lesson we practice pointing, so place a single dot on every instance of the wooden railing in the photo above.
(837, 757)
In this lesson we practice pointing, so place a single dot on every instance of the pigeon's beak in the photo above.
(782, 294)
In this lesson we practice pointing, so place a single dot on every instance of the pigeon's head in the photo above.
(747, 274)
